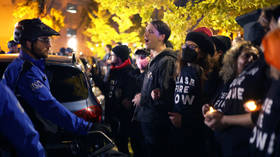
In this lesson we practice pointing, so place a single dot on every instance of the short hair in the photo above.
(109, 47)
(162, 28)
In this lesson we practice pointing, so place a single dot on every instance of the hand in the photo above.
(155, 94)
(136, 99)
(214, 120)
(176, 119)
(205, 109)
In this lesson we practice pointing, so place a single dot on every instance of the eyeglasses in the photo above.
(44, 40)
(141, 56)
(192, 46)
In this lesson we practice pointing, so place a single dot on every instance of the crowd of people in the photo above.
(191, 102)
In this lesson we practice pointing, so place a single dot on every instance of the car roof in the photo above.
(50, 59)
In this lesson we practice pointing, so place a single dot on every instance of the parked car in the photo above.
(69, 85)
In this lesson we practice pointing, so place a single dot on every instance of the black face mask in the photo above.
(189, 55)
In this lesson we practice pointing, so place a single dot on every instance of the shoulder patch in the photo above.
(36, 85)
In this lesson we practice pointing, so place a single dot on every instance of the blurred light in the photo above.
(71, 8)
(72, 43)
(71, 32)
(88, 109)
(91, 48)
(250, 106)
(97, 45)
(211, 110)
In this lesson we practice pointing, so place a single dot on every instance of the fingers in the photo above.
(155, 94)
(171, 113)
(205, 109)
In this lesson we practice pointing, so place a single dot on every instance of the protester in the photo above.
(264, 140)
(240, 90)
(157, 92)
(119, 90)
(62, 52)
(214, 81)
(142, 61)
(13, 48)
(187, 133)
(17, 128)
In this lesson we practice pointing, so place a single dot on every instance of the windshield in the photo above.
(67, 83)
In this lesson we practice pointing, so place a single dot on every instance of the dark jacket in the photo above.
(119, 86)
(265, 140)
(160, 75)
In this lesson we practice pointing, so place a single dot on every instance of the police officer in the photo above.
(17, 128)
(26, 77)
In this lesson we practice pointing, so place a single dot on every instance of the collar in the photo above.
(38, 62)
(124, 64)
(165, 52)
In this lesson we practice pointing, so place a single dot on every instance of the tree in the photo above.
(33, 9)
(215, 14)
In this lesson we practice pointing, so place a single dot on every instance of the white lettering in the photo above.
(267, 105)
(235, 93)
(186, 80)
(187, 99)
(181, 79)
(261, 140)
(240, 80)
(186, 89)
(177, 98)
(254, 132)
(253, 71)
(192, 83)
(260, 120)
(240, 93)
(270, 149)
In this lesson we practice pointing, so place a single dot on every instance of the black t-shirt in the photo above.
(264, 141)
(219, 101)
(187, 96)
(251, 84)
(187, 90)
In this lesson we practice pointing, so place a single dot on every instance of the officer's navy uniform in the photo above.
(34, 88)
(16, 127)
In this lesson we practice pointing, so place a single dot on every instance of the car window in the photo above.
(67, 83)
(3, 66)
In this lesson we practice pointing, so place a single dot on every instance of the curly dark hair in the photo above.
(229, 68)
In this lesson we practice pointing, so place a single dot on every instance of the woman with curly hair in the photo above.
(243, 72)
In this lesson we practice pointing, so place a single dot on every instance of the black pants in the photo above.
(156, 139)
